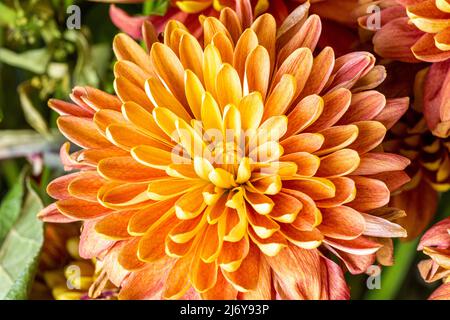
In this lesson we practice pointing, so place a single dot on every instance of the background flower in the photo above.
(412, 30)
(436, 243)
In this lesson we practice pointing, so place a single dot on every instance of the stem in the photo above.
(393, 277)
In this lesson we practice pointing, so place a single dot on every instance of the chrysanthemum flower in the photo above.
(423, 136)
(412, 30)
(436, 244)
(227, 169)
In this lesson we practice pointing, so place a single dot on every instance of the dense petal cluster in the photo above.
(231, 168)
(436, 244)
(411, 30)
(422, 135)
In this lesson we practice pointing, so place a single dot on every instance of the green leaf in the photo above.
(7, 15)
(19, 252)
(32, 115)
(35, 60)
(10, 207)
(156, 7)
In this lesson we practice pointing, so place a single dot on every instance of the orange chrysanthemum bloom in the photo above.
(227, 169)
(436, 244)
(411, 30)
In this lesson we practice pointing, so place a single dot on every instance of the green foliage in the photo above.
(19, 251)
(35, 60)
(156, 7)
(7, 15)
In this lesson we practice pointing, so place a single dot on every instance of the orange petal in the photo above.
(86, 186)
(425, 49)
(115, 225)
(126, 48)
(303, 284)
(305, 113)
(66, 108)
(322, 68)
(280, 97)
(128, 255)
(231, 21)
(82, 131)
(222, 290)
(270, 246)
(257, 71)
(345, 192)
(307, 163)
(370, 194)
(58, 188)
(53, 215)
(126, 169)
(177, 282)
(371, 134)
(303, 239)
(212, 26)
(341, 223)
(374, 162)
(162, 98)
(228, 86)
(146, 217)
(128, 91)
(336, 104)
(263, 226)
(303, 142)
(225, 46)
(169, 69)
(245, 45)
(265, 28)
(130, 71)
(105, 117)
(337, 138)
(152, 244)
(316, 188)
(245, 278)
(147, 283)
(339, 163)
(306, 37)
(191, 54)
(92, 244)
(128, 137)
(96, 99)
(81, 209)
(309, 217)
(299, 64)
(203, 275)
(233, 253)
(364, 106)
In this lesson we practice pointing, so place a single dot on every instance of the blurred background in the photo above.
(40, 58)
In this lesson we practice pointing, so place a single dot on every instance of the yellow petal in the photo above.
(228, 86)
